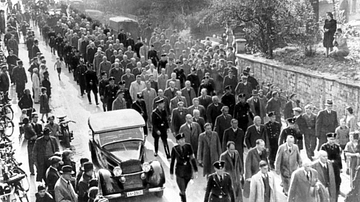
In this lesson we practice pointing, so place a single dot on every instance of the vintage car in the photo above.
(117, 146)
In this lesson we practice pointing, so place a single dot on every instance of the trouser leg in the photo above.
(88, 95)
(273, 150)
(156, 143)
(165, 143)
(322, 140)
(30, 157)
(182, 184)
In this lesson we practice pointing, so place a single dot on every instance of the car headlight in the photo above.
(117, 171)
(146, 167)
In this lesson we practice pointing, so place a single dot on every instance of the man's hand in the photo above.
(195, 175)
(158, 132)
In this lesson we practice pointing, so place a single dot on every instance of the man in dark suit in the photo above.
(178, 117)
(37, 126)
(213, 110)
(255, 132)
(326, 122)
(274, 105)
(273, 129)
(242, 112)
(110, 93)
(219, 186)
(171, 91)
(52, 174)
(140, 106)
(204, 98)
(160, 126)
(42, 151)
(309, 130)
(236, 135)
(183, 155)
(30, 136)
(253, 158)
(327, 175)
(222, 122)
(188, 92)
(92, 83)
(228, 99)
(257, 105)
(191, 131)
(235, 168)
(196, 105)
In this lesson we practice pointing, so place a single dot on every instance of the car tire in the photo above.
(159, 194)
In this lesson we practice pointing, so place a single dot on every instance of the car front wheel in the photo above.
(159, 194)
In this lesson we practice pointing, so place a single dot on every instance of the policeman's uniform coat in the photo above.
(301, 188)
(160, 122)
(257, 188)
(273, 131)
(235, 168)
(222, 123)
(183, 167)
(228, 99)
(334, 154)
(331, 186)
(166, 101)
(219, 191)
(287, 162)
(191, 135)
(241, 113)
(110, 94)
(209, 151)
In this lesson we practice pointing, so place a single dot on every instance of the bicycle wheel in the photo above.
(8, 126)
(9, 112)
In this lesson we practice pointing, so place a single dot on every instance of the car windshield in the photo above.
(124, 150)
(120, 135)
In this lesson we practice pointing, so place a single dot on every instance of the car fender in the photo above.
(107, 184)
(157, 177)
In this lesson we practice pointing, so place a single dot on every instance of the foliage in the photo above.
(268, 23)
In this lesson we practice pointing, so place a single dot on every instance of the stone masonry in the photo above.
(311, 87)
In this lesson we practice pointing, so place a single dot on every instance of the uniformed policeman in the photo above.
(228, 99)
(219, 186)
(291, 130)
(160, 127)
(185, 163)
(334, 155)
(81, 69)
(273, 129)
(110, 93)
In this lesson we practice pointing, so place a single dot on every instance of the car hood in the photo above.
(126, 155)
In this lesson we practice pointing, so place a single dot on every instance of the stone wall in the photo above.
(311, 87)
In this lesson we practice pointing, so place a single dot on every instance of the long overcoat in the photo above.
(191, 135)
(209, 151)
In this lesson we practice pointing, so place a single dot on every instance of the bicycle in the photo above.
(6, 128)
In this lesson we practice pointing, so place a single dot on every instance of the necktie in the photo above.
(308, 176)
(220, 178)
(289, 150)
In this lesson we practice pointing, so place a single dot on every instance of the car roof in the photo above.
(115, 120)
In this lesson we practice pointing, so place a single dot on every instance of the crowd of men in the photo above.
(223, 119)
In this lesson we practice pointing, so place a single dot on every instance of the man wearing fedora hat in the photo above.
(184, 157)
(52, 174)
(44, 148)
(228, 99)
(326, 122)
(257, 105)
(219, 186)
(84, 181)
(64, 191)
(254, 83)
